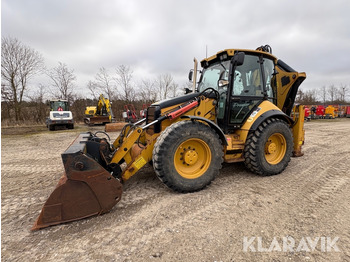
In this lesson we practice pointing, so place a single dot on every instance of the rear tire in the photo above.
(268, 149)
(187, 155)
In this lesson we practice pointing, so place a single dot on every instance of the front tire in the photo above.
(187, 155)
(268, 149)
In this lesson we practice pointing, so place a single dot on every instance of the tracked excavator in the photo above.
(241, 110)
(100, 114)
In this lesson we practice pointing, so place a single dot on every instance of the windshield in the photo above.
(211, 75)
(59, 106)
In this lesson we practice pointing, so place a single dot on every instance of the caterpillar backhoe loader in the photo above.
(100, 114)
(241, 110)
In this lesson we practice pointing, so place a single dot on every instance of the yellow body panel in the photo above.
(205, 109)
(90, 110)
(283, 90)
(231, 52)
(298, 129)
(236, 141)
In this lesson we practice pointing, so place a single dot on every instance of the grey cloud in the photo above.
(156, 37)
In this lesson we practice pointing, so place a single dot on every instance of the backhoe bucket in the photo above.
(86, 189)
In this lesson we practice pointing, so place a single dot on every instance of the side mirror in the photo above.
(190, 75)
(187, 91)
(238, 59)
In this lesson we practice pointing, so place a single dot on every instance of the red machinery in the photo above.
(307, 113)
(143, 111)
(348, 111)
(320, 112)
(130, 114)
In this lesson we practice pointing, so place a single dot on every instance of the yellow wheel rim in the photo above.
(275, 149)
(192, 158)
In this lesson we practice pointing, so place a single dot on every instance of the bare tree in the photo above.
(124, 81)
(40, 107)
(310, 97)
(324, 94)
(300, 96)
(342, 93)
(104, 82)
(332, 91)
(62, 80)
(147, 91)
(18, 64)
(174, 89)
(92, 87)
(166, 86)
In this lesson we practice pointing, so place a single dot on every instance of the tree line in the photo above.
(325, 95)
(23, 102)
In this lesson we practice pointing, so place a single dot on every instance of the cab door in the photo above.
(250, 85)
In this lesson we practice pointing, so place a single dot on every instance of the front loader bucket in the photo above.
(86, 189)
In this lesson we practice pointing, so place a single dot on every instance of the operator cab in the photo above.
(243, 81)
(59, 105)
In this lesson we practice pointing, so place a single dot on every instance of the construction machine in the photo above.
(129, 114)
(100, 114)
(331, 112)
(320, 112)
(241, 110)
(143, 111)
(60, 115)
(347, 114)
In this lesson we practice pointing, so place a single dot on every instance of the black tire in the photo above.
(52, 127)
(175, 149)
(260, 156)
(86, 122)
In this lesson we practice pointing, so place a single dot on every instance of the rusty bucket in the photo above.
(86, 189)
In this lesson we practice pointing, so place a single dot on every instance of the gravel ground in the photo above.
(239, 217)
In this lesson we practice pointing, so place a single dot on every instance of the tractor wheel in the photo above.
(86, 121)
(268, 149)
(187, 155)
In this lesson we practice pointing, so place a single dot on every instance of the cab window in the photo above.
(210, 76)
(269, 67)
(248, 78)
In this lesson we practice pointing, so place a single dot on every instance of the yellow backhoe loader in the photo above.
(100, 114)
(241, 109)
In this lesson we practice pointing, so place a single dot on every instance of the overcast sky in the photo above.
(157, 36)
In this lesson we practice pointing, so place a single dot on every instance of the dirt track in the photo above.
(151, 223)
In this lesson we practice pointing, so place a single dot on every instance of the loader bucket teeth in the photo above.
(86, 189)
